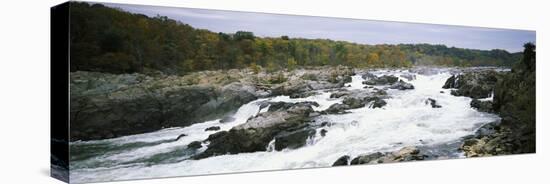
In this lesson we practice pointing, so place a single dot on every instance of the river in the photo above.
(406, 120)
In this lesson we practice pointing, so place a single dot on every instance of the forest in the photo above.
(110, 40)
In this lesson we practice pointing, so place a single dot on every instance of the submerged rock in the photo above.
(212, 128)
(180, 136)
(433, 103)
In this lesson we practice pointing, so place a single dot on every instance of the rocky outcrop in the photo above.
(104, 106)
(515, 101)
(491, 139)
(356, 99)
(377, 102)
(300, 83)
(404, 154)
(483, 106)
(109, 105)
(401, 85)
(382, 80)
(287, 123)
(475, 84)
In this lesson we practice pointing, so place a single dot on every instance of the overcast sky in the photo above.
(352, 30)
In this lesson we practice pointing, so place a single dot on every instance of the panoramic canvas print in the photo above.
(165, 91)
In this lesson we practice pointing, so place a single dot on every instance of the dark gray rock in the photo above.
(180, 136)
(365, 159)
(339, 94)
(354, 103)
(401, 85)
(323, 132)
(139, 107)
(212, 128)
(303, 95)
(377, 102)
(293, 140)
(344, 160)
(382, 80)
(432, 102)
(483, 106)
(281, 119)
(194, 145)
(337, 109)
(479, 84)
(487, 129)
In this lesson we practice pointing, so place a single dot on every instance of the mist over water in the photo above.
(406, 120)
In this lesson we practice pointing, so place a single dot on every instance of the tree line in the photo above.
(110, 40)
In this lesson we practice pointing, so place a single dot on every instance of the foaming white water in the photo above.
(406, 120)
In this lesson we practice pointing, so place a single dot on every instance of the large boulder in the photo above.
(474, 84)
(286, 122)
(293, 140)
(357, 99)
(382, 80)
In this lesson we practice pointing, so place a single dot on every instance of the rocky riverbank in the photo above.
(108, 105)
(514, 100)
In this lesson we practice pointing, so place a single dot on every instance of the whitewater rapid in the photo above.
(406, 120)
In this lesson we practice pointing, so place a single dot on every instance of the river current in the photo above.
(406, 120)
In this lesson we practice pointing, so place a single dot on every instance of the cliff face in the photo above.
(112, 105)
(515, 101)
